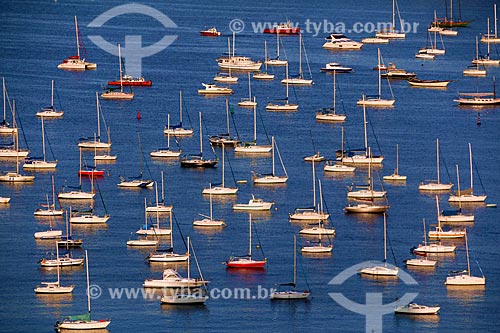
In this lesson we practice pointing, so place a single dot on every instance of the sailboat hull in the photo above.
(465, 280)
(467, 198)
(83, 325)
(289, 295)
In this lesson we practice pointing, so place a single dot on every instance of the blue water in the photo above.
(35, 37)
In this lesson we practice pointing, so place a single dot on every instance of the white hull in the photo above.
(50, 234)
(456, 218)
(347, 45)
(366, 208)
(62, 262)
(50, 114)
(282, 107)
(362, 159)
(366, 194)
(218, 190)
(415, 309)
(37, 165)
(288, 295)
(310, 216)
(421, 262)
(5, 152)
(467, 198)
(160, 208)
(76, 195)
(376, 102)
(226, 79)
(380, 271)
(395, 177)
(6, 130)
(154, 231)
(89, 219)
(137, 183)
(446, 234)
(447, 32)
(254, 204)
(253, 66)
(207, 223)
(117, 95)
(184, 299)
(390, 35)
(165, 153)
(276, 62)
(330, 117)
(270, 179)
(253, 149)
(435, 51)
(94, 144)
(435, 248)
(105, 157)
(440, 84)
(435, 187)
(14, 177)
(174, 283)
(375, 41)
(247, 104)
(297, 81)
(263, 76)
(486, 62)
(465, 280)
(83, 325)
(338, 168)
(142, 242)
(178, 131)
(425, 56)
(167, 257)
(4, 200)
(318, 230)
(316, 249)
(53, 289)
(474, 72)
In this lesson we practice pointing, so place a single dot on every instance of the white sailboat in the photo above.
(382, 270)
(392, 33)
(76, 63)
(40, 164)
(113, 93)
(276, 61)
(330, 114)
(83, 322)
(248, 102)
(290, 293)
(464, 278)
(264, 75)
(252, 147)
(15, 176)
(434, 50)
(456, 215)
(317, 247)
(51, 111)
(225, 138)
(435, 185)
(50, 210)
(51, 233)
(197, 160)
(139, 181)
(54, 287)
(468, 196)
(334, 166)
(311, 213)
(439, 233)
(96, 142)
(5, 127)
(221, 189)
(317, 230)
(226, 77)
(160, 206)
(254, 204)
(395, 175)
(166, 152)
(474, 69)
(168, 255)
(146, 231)
(299, 79)
(209, 221)
(377, 100)
(183, 297)
(436, 248)
(88, 216)
(366, 191)
(272, 178)
(489, 37)
(279, 105)
(152, 230)
(486, 60)
(178, 130)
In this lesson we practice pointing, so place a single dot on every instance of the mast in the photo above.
(272, 151)
(255, 122)
(234, 42)
(250, 242)
(249, 88)
(437, 161)
(495, 16)
(334, 91)
(168, 131)
(52, 96)
(379, 72)
(314, 183)
(145, 213)
(397, 160)
(265, 54)
(364, 127)
(53, 193)
(77, 40)
(470, 166)
(227, 119)
(458, 189)
(320, 197)
(211, 212)
(156, 191)
(385, 240)
(342, 145)
(467, 251)
(57, 260)
(162, 189)
(201, 138)
(171, 232)
(98, 117)
(277, 44)
(287, 83)
(120, 62)
(488, 40)
(180, 107)
(188, 261)
(223, 153)
(300, 55)
(88, 279)
(477, 53)
(437, 209)
(295, 261)
(4, 102)
(393, 15)
(43, 140)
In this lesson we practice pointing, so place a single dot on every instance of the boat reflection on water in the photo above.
(467, 294)
(161, 266)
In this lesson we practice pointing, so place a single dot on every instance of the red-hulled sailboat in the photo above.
(128, 80)
(284, 28)
(246, 261)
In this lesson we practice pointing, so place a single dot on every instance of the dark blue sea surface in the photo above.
(36, 36)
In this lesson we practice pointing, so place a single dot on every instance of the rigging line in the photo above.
(304, 273)
(48, 143)
(230, 165)
(444, 163)
(231, 111)
(479, 176)
(264, 126)
(258, 240)
(180, 231)
(102, 199)
(198, 266)
(392, 250)
(374, 135)
(307, 59)
(58, 99)
(185, 111)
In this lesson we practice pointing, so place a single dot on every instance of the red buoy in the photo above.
(139, 115)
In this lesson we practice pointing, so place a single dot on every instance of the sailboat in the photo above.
(254, 204)
(444, 234)
(144, 230)
(209, 221)
(152, 230)
(50, 111)
(489, 37)
(377, 100)
(136, 182)
(83, 322)
(76, 62)
(264, 75)
(450, 22)
(299, 79)
(225, 138)
(468, 195)
(248, 102)
(317, 230)
(112, 93)
(86, 170)
(5, 127)
(197, 161)
(50, 210)
(433, 50)
(474, 69)
(395, 175)
(221, 189)
(291, 293)
(178, 130)
(95, 142)
(48, 234)
(183, 297)
(267, 179)
(160, 206)
(486, 60)
(40, 164)
(366, 191)
(226, 77)
(67, 241)
(15, 176)
(246, 261)
(54, 287)
(276, 61)
(166, 152)
(252, 147)
(455, 215)
(236, 62)
(382, 270)
(168, 255)
(317, 247)
(392, 33)
(330, 114)
(435, 185)
(334, 166)
(426, 248)
(464, 278)
(311, 213)
(88, 216)
(279, 105)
